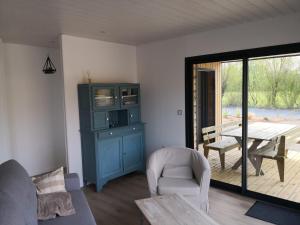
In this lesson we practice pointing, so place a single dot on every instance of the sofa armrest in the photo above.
(72, 182)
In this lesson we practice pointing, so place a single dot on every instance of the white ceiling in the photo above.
(39, 22)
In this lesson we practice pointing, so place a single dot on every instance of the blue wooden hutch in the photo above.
(112, 134)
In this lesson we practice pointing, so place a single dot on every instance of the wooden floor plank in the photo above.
(114, 205)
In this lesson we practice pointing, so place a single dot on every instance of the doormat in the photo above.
(274, 214)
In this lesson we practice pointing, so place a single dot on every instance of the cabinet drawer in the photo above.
(136, 127)
(110, 133)
(120, 131)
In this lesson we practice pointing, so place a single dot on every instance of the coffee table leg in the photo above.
(142, 219)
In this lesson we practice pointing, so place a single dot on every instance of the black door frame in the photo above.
(244, 56)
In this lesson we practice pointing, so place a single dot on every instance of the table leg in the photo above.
(252, 148)
(239, 162)
(142, 221)
(252, 159)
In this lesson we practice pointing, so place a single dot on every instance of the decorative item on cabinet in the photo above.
(112, 134)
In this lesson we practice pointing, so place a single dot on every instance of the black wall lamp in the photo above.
(49, 67)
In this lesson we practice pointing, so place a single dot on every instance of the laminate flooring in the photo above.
(114, 205)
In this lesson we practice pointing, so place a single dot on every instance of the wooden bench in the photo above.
(273, 150)
(213, 141)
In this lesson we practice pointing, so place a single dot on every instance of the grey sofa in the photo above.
(18, 201)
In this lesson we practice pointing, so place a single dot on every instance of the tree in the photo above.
(290, 89)
(276, 69)
(232, 83)
(231, 76)
(256, 74)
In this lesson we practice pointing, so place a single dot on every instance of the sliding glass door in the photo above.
(274, 126)
(217, 109)
(243, 114)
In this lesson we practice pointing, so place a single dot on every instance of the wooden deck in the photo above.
(269, 183)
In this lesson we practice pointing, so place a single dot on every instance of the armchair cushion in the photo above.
(172, 171)
(167, 185)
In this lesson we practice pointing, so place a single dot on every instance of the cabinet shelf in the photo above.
(103, 97)
(129, 96)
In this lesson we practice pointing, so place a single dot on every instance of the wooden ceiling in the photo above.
(39, 22)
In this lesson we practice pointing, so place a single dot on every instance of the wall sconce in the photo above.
(49, 67)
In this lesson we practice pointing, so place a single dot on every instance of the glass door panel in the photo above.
(105, 97)
(129, 96)
(273, 127)
(217, 115)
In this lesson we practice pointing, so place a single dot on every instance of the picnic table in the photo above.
(258, 132)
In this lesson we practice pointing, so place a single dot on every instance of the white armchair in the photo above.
(194, 190)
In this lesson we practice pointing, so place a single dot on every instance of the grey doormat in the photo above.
(274, 214)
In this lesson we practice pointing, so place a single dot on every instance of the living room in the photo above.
(154, 45)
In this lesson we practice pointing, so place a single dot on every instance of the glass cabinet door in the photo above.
(129, 96)
(105, 97)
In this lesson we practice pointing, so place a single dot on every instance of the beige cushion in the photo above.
(50, 182)
(50, 205)
(168, 185)
(173, 171)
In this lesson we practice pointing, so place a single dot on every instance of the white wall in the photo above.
(5, 153)
(107, 62)
(161, 70)
(35, 108)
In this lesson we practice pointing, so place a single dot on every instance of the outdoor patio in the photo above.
(269, 183)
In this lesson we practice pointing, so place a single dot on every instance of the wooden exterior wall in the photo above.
(217, 67)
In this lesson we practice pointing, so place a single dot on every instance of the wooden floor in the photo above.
(269, 183)
(115, 204)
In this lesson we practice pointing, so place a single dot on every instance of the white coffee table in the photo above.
(172, 210)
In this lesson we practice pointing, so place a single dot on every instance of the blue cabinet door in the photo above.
(100, 120)
(133, 152)
(134, 115)
(130, 96)
(110, 163)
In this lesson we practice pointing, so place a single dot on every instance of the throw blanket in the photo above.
(50, 205)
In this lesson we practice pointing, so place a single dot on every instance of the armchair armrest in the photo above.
(155, 166)
(152, 182)
(202, 173)
(72, 182)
